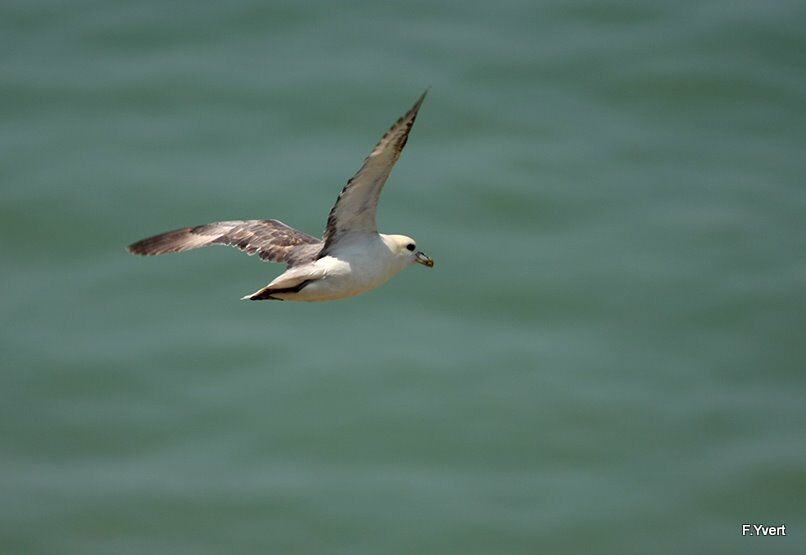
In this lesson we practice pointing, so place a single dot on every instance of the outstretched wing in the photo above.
(269, 239)
(357, 203)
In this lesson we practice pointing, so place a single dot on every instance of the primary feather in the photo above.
(270, 239)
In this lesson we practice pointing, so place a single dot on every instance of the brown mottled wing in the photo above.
(269, 239)
(357, 203)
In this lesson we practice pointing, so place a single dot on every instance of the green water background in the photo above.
(608, 357)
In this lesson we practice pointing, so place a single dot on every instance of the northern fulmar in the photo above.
(350, 259)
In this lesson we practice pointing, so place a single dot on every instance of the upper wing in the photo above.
(269, 239)
(355, 208)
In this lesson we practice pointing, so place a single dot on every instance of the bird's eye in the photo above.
(410, 246)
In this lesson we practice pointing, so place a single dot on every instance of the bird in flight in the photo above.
(350, 259)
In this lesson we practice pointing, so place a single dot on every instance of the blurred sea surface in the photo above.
(608, 356)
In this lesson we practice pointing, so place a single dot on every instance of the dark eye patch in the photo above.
(410, 246)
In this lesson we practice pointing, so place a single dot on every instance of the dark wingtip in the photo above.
(170, 241)
(419, 102)
(150, 246)
(138, 248)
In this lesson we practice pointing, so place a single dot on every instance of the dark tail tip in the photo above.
(260, 296)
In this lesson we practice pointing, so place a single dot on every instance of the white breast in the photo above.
(355, 267)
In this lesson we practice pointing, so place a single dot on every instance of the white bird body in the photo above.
(359, 263)
(350, 259)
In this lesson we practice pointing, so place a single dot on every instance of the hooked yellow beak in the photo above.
(421, 258)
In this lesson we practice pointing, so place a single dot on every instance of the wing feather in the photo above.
(269, 239)
(358, 201)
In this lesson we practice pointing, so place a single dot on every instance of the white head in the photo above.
(405, 248)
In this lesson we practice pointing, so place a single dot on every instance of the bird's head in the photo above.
(406, 248)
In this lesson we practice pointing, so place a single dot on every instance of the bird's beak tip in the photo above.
(421, 258)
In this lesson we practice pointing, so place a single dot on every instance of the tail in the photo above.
(262, 295)
(266, 294)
